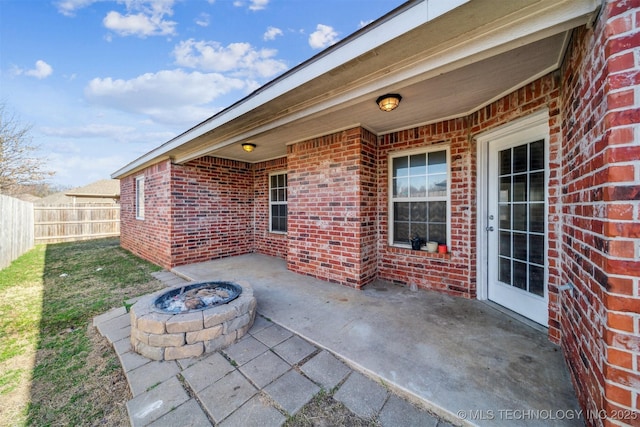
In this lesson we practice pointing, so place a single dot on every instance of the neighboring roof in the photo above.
(447, 58)
(108, 188)
(55, 199)
(103, 191)
(27, 197)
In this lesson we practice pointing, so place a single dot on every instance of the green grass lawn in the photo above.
(54, 368)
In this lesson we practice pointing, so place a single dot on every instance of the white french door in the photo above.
(516, 222)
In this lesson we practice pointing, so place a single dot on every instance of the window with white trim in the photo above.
(278, 202)
(140, 197)
(419, 201)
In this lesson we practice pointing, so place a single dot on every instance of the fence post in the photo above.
(16, 229)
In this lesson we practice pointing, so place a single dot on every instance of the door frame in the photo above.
(539, 118)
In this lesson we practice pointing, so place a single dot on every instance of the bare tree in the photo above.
(19, 166)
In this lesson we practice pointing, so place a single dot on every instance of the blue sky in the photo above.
(102, 82)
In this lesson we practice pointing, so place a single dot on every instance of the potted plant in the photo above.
(416, 242)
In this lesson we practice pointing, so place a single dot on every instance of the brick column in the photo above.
(331, 224)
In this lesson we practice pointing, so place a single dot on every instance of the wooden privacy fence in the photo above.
(16, 229)
(67, 223)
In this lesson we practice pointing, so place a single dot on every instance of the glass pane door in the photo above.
(521, 212)
(516, 231)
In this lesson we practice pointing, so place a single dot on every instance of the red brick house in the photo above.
(515, 143)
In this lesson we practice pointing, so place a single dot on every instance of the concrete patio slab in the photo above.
(131, 360)
(292, 391)
(123, 346)
(399, 412)
(294, 350)
(158, 401)
(451, 355)
(363, 396)
(116, 312)
(245, 350)
(115, 328)
(257, 412)
(325, 369)
(206, 376)
(188, 414)
(273, 335)
(168, 278)
(149, 375)
(260, 323)
(226, 395)
(264, 369)
(209, 370)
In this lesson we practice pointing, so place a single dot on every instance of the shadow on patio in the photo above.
(460, 358)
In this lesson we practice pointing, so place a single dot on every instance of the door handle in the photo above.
(489, 228)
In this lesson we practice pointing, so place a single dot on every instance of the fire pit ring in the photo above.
(220, 314)
(198, 296)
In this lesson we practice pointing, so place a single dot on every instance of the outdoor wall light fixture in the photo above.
(389, 102)
(248, 147)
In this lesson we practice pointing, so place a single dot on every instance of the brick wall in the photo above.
(272, 244)
(148, 238)
(194, 212)
(212, 211)
(368, 206)
(330, 216)
(601, 214)
(455, 273)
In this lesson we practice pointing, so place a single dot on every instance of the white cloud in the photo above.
(87, 131)
(86, 153)
(253, 4)
(76, 170)
(105, 132)
(143, 18)
(69, 7)
(138, 24)
(323, 36)
(241, 59)
(203, 20)
(41, 71)
(272, 33)
(258, 4)
(168, 96)
(129, 24)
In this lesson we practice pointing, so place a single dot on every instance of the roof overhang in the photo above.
(94, 195)
(447, 58)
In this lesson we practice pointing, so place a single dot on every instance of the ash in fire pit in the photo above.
(198, 296)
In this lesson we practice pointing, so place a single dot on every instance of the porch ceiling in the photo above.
(444, 64)
(442, 96)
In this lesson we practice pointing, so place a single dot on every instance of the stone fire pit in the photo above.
(191, 320)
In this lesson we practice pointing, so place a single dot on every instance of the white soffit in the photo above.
(401, 52)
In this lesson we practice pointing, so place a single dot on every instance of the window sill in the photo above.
(406, 250)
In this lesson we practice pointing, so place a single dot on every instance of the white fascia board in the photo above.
(353, 46)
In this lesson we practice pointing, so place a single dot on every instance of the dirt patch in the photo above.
(99, 391)
(111, 391)
(324, 411)
(15, 386)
